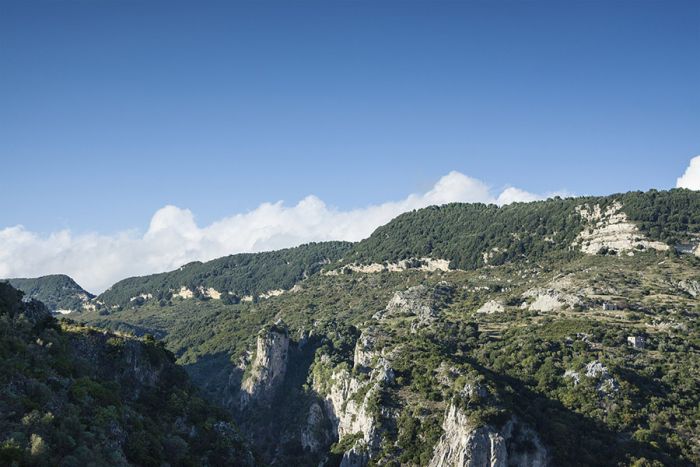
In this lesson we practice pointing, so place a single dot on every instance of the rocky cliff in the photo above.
(268, 367)
(465, 445)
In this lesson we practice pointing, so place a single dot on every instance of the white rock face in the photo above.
(550, 300)
(365, 351)
(420, 302)
(464, 445)
(212, 293)
(611, 228)
(349, 415)
(184, 292)
(595, 369)
(144, 296)
(492, 306)
(313, 435)
(272, 293)
(347, 398)
(606, 383)
(357, 456)
(414, 301)
(690, 286)
(427, 264)
(268, 367)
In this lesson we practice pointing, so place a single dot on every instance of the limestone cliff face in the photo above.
(610, 228)
(347, 405)
(466, 445)
(268, 367)
(314, 435)
(357, 456)
(350, 398)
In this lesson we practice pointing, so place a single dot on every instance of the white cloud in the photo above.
(173, 237)
(691, 177)
(516, 195)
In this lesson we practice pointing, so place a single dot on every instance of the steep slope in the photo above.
(581, 349)
(58, 292)
(469, 236)
(71, 395)
(230, 278)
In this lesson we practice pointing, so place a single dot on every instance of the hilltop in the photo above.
(557, 332)
(58, 292)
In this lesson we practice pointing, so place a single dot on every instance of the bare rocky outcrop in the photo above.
(348, 406)
(421, 302)
(269, 366)
(610, 229)
(418, 264)
(606, 383)
(366, 348)
(692, 287)
(314, 435)
(351, 397)
(464, 444)
(356, 456)
(550, 299)
(492, 306)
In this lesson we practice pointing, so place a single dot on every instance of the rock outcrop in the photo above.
(314, 435)
(691, 287)
(351, 402)
(610, 229)
(492, 306)
(268, 367)
(356, 456)
(420, 302)
(550, 300)
(465, 445)
(418, 264)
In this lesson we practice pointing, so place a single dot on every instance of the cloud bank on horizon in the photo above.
(173, 238)
(96, 261)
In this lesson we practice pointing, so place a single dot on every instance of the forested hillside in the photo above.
(73, 396)
(565, 333)
(473, 235)
(595, 361)
(235, 276)
(57, 292)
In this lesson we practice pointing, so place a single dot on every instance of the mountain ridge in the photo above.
(59, 292)
(454, 334)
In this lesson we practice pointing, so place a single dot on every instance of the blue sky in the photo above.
(111, 110)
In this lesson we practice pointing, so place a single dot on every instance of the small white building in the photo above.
(636, 341)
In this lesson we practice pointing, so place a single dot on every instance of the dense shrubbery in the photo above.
(239, 275)
(518, 357)
(72, 396)
(57, 292)
(464, 233)
(669, 216)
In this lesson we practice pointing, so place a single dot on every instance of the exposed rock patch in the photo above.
(420, 302)
(418, 264)
(314, 435)
(268, 367)
(610, 229)
(691, 287)
(463, 444)
(550, 300)
(492, 306)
